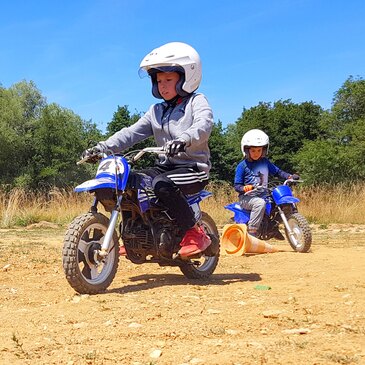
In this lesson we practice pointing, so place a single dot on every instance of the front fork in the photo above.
(110, 231)
(290, 232)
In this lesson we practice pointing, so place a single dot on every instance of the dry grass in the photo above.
(223, 194)
(340, 204)
(20, 208)
(319, 205)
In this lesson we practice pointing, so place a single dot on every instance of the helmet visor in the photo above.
(142, 72)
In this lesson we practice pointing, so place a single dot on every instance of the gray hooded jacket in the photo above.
(190, 120)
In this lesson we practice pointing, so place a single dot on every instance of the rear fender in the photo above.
(243, 215)
(195, 199)
(240, 215)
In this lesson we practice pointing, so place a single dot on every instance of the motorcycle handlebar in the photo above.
(258, 188)
(286, 182)
(261, 189)
(83, 160)
(157, 150)
(94, 158)
(91, 158)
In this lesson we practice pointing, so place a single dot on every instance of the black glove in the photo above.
(99, 148)
(295, 177)
(172, 148)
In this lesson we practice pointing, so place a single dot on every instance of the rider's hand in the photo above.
(247, 188)
(294, 177)
(99, 148)
(175, 146)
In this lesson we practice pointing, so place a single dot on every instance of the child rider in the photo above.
(254, 171)
(182, 124)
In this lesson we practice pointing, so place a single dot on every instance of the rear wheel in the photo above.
(301, 239)
(86, 271)
(203, 267)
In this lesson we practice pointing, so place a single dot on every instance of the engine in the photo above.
(140, 240)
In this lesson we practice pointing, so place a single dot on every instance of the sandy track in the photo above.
(281, 308)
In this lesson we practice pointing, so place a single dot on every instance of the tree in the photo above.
(59, 139)
(223, 157)
(123, 119)
(20, 106)
(338, 154)
(349, 101)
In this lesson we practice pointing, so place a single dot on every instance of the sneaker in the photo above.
(195, 241)
(122, 251)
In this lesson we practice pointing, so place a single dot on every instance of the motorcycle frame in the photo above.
(120, 175)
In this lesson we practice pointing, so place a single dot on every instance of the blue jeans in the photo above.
(257, 207)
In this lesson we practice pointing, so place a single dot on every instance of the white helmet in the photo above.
(174, 57)
(255, 138)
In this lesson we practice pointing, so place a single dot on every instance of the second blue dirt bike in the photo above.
(281, 210)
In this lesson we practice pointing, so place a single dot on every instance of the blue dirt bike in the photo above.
(149, 234)
(281, 208)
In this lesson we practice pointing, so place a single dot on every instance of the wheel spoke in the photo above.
(94, 272)
(82, 245)
(86, 271)
(97, 234)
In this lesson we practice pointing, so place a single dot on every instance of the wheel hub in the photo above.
(92, 253)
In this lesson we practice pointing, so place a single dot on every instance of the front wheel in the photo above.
(204, 267)
(301, 239)
(85, 270)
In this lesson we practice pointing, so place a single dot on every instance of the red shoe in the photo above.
(122, 251)
(195, 241)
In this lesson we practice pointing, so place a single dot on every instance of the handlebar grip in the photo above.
(83, 160)
(91, 158)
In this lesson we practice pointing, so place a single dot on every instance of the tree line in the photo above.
(40, 142)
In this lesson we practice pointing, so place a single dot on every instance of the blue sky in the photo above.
(84, 55)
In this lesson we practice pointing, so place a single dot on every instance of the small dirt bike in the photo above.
(280, 208)
(149, 234)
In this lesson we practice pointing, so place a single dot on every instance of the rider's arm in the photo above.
(244, 176)
(202, 125)
(275, 171)
(129, 136)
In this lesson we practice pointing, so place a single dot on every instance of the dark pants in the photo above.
(171, 184)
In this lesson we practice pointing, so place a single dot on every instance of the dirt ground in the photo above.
(276, 308)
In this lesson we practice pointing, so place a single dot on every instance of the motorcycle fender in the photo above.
(101, 183)
(287, 200)
(197, 198)
(197, 212)
(240, 215)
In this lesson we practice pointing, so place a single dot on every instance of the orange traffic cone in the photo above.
(236, 241)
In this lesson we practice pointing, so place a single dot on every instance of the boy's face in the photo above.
(166, 83)
(255, 153)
